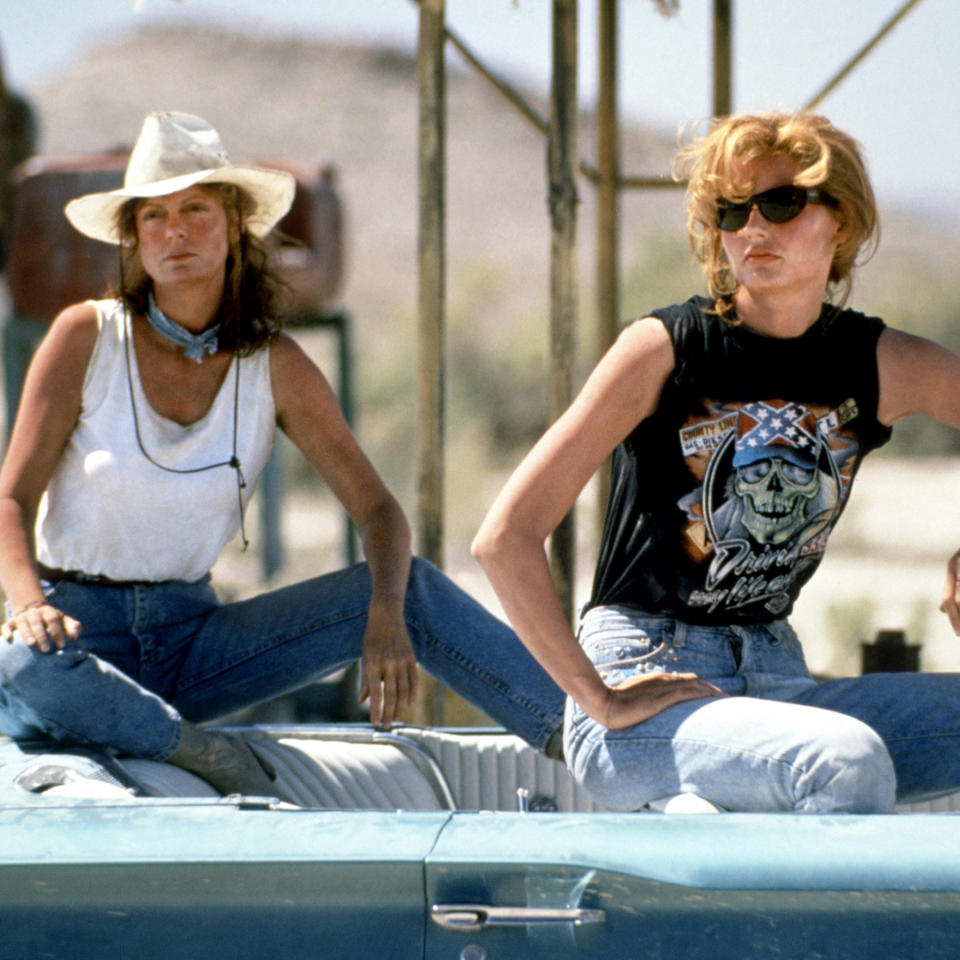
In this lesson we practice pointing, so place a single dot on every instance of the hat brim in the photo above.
(95, 215)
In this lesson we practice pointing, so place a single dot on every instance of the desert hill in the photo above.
(355, 109)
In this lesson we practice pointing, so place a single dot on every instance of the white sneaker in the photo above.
(682, 803)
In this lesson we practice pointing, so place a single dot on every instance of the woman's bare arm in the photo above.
(308, 412)
(48, 411)
(623, 390)
(919, 376)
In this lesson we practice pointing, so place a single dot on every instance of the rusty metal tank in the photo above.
(51, 265)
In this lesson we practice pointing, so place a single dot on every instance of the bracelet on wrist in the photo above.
(31, 605)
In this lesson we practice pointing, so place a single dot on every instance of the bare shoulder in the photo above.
(917, 375)
(288, 358)
(284, 350)
(68, 345)
(78, 315)
(643, 350)
(635, 368)
(647, 338)
(290, 365)
(50, 401)
(901, 350)
(77, 325)
(898, 346)
(299, 386)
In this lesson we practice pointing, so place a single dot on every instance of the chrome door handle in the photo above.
(474, 916)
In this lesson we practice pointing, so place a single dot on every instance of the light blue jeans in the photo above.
(151, 654)
(779, 742)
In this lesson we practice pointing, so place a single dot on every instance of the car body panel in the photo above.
(176, 880)
(118, 871)
(723, 851)
(697, 887)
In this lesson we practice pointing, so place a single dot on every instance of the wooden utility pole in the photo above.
(432, 282)
(722, 57)
(561, 168)
(431, 315)
(608, 202)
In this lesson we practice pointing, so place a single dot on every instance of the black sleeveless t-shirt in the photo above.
(722, 501)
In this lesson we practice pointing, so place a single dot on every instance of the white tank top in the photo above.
(108, 510)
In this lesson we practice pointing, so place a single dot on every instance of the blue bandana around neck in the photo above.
(196, 344)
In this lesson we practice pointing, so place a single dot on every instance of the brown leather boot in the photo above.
(225, 761)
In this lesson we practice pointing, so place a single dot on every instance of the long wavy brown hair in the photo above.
(250, 312)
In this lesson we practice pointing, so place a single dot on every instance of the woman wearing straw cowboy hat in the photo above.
(144, 423)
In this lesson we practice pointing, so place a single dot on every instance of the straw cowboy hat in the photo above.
(175, 151)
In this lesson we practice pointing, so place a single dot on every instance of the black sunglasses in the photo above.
(777, 205)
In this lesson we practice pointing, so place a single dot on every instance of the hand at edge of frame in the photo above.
(950, 598)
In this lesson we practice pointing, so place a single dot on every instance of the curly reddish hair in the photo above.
(713, 166)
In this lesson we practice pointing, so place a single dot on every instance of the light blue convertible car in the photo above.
(452, 844)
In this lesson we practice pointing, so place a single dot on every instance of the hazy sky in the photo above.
(903, 103)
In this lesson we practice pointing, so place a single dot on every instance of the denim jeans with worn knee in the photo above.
(151, 654)
(779, 740)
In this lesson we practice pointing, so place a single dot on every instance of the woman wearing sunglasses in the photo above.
(737, 422)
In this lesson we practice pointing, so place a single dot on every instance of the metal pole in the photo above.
(608, 196)
(561, 166)
(722, 57)
(431, 254)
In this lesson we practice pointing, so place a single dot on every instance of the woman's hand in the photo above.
(950, 601)
(388, 666)
(643, 697)
(42, 626)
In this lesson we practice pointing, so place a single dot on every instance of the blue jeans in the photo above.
(779, 742)
(151, 654)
